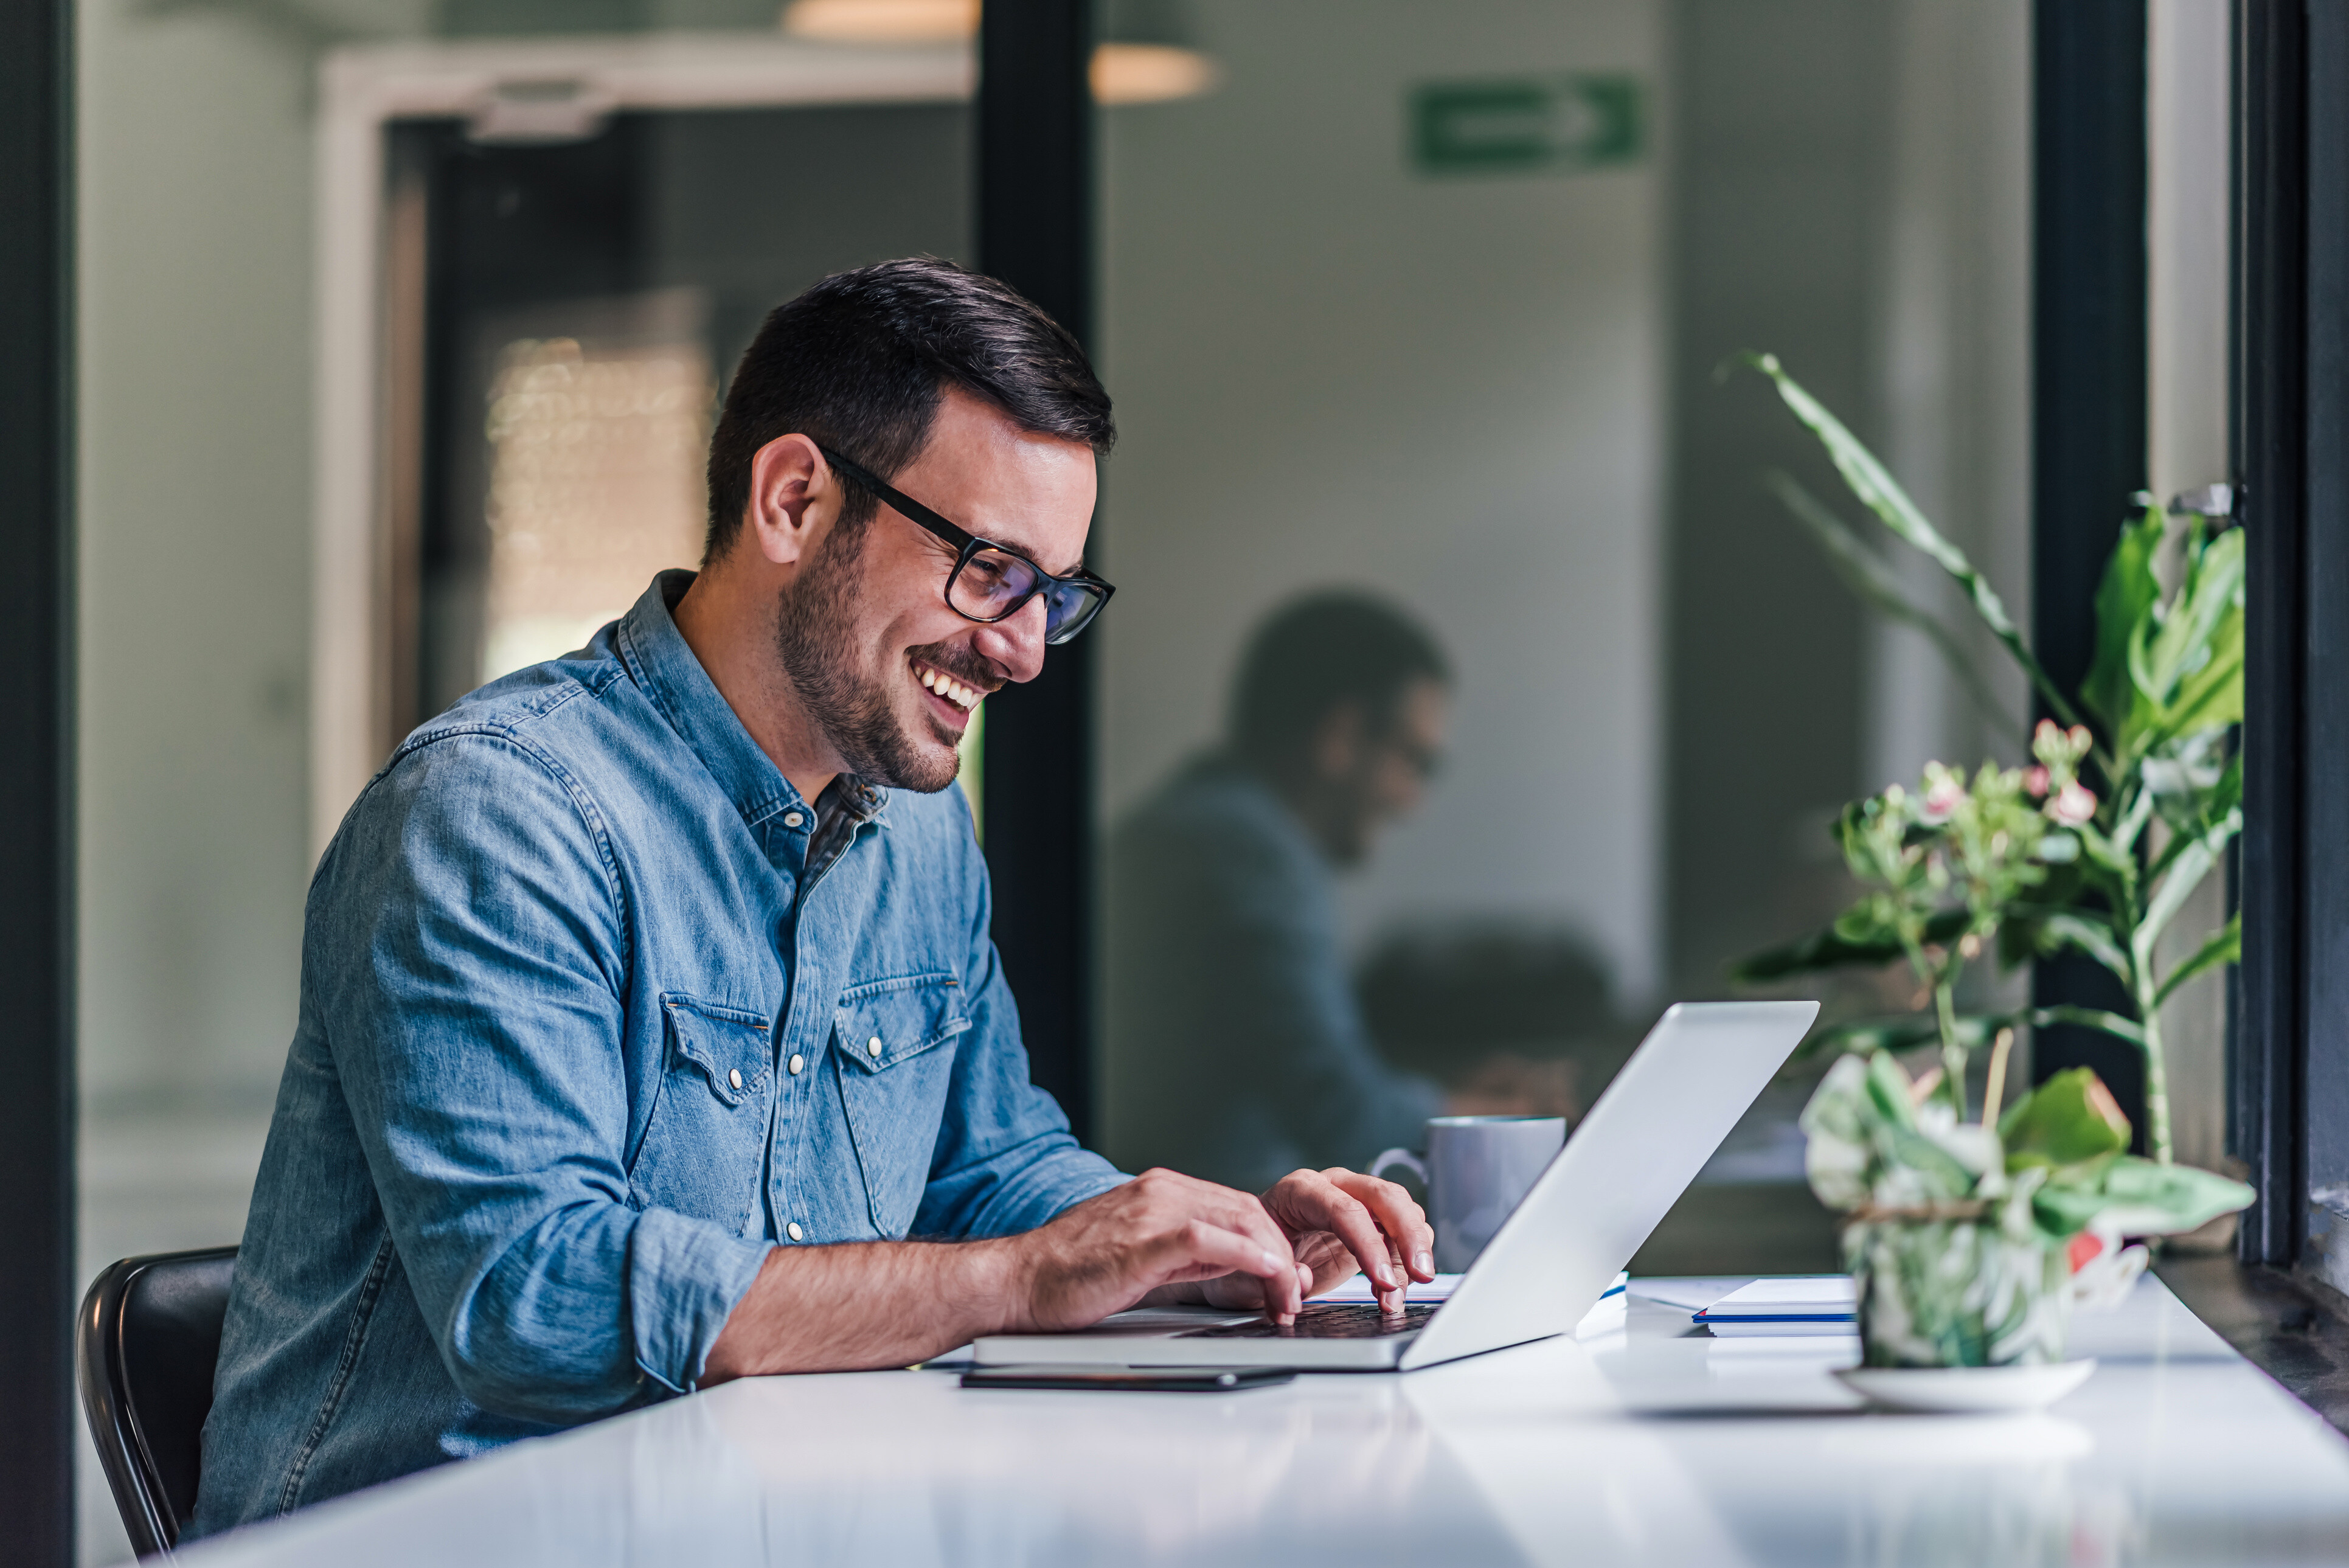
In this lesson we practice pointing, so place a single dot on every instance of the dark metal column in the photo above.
(2324, 721)
(37, 910)
(1035, 232)
(2272, 437)
(2088, 394)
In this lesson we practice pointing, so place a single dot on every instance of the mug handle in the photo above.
(1404, 1158)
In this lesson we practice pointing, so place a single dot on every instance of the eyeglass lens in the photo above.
(993, 583)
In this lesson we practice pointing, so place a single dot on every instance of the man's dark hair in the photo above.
(861, 361)
(1320, 651)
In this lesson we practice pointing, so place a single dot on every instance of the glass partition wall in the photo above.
(1416, 328)
(1466, 698)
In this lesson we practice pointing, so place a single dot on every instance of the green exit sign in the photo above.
(1526, 125)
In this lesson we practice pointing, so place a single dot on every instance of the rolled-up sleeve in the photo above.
(1005, 1160)
(476, 1026)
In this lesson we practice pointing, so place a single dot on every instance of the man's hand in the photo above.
(1338, 1221)
(1160, 1229)
(1159, 1237)
(1168, 1238)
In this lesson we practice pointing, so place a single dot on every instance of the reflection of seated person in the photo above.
(1235, 1044)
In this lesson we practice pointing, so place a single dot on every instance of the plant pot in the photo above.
(1957, 1293)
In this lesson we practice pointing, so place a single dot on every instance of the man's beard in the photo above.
(853, 707)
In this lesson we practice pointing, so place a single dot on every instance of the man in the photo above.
(647, 1001)
(1236, 1046)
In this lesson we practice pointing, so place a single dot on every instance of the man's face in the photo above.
(883, 663)
(1372, 775)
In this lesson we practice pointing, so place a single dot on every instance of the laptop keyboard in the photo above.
(1325, 1320)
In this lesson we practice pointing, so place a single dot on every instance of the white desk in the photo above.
(1646, 1447)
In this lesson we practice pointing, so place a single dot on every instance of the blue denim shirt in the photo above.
(580, 1041)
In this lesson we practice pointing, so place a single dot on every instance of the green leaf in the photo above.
(2145, 1199)
(1882, 494)
(2210, 699)
(1872, 580)
(2225, 946)
(2091, 936)
(1941, 1174)
(2103, 855)
(2070, 1119)
(2181, 644)
(1834, 949)
(2187, 871)
(1905, 1033)
(2062, 1211)
(2227, 793)
(2125, 600)
(2196, 814)
(2096, 1018)
(1887, 1089)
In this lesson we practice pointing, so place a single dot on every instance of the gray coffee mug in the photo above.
(1477, 1169)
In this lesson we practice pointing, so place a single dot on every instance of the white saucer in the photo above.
(1964, 1388)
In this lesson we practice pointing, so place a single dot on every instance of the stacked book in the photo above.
(1781, 1308)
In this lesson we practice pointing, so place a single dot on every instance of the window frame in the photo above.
(2291, 399)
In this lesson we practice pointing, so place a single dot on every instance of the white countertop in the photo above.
(1645, 1446)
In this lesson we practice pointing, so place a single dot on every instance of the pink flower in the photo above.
(2045, 735)
(2036, 781)
(2074, 805)
(1942, 800)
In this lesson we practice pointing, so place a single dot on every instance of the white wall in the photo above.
(1954, 367)
(2186, 236)
(1330, 369)
(194, 275)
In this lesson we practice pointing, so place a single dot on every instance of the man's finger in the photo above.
(1203, 1245)
(1247, 1216)
(1242, 1214)
(1330, 1208)
(1404, 1222)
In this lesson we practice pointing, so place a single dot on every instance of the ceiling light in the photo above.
(883, 21)
(1150, 73)
(1145, 58)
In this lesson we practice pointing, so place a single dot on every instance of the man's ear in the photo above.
(1338, 741)
(793, 497)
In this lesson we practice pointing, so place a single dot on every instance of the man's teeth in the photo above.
(947, 686)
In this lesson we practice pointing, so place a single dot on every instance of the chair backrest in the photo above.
(146, 1344)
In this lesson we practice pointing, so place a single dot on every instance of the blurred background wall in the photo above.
(195, 472)
(1335, 365)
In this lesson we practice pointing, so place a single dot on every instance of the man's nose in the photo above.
(1016, 642)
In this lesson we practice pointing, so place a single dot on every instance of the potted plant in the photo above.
(2133, 799)
(1969, 1243)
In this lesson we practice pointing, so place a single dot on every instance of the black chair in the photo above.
(145, 1347)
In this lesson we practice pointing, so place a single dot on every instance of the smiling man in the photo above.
(647, 1000)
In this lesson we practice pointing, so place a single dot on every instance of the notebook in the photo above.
(1786, 1307)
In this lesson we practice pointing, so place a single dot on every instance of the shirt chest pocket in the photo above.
(893, 1043)
(705, 1145)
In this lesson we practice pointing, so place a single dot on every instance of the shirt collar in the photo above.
(658, 657)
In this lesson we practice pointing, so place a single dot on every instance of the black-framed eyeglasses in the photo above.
(990, 583)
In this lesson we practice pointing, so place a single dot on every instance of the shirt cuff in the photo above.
(685, 1278)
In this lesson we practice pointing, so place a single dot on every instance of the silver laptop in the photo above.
(1662, 1118)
